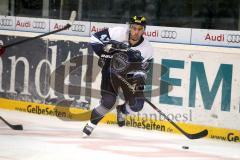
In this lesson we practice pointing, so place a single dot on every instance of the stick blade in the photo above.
(17, 127)
(198, 135)
(73, 17)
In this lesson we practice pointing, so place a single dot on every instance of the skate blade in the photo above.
(84, 135)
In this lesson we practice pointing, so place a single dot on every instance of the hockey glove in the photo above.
(137, 77)
(134, 55)
(108, 48)
(113, 45)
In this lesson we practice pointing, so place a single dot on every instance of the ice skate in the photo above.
(87, 130)
(120, 116)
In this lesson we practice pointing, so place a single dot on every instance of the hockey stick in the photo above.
(14, 127)
(71, 20)
(188, 135)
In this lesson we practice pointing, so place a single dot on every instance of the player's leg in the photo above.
(134, 103)
(120, 115)
(106, 104)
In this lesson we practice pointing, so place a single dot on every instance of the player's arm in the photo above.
(109, 40)
(99, 40)
(139, 75)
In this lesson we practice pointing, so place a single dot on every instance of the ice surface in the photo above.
(48, 138)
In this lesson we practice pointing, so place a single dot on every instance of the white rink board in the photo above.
(97, 26)
(168, 34)
(215, 37)
(7, 22)
(32, 24)
(78, 28)
(162, 34)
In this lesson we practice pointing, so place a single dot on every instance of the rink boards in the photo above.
(199, 88)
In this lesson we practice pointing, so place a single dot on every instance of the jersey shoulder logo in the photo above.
(104, 38)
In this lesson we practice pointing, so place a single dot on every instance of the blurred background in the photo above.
(205, 14)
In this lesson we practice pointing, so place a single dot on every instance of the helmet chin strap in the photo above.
(132, 40)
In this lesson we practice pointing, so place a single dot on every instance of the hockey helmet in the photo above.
(140, 20)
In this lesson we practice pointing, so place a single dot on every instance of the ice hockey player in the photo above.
(105, 44)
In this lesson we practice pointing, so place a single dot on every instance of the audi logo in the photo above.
(39, 25)
(233, 38)
(78, 28)
(6, 22)
(168, 34)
